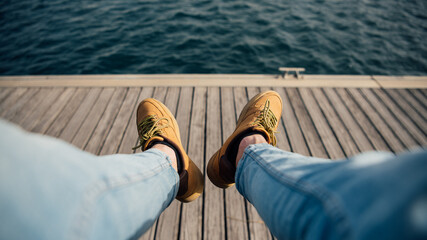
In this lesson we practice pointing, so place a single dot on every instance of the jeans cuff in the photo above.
(162, 158)
(245, 160)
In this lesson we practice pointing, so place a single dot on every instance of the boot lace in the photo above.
(268, 121)
(150, 127)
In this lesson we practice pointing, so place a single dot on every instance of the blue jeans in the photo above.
(52, 190)
(374, 195)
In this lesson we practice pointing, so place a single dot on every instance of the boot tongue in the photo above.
(151, 140)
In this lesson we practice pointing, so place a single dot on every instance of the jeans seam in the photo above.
(329, 203)
(81, 225)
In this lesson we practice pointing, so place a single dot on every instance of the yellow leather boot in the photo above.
(156, 123)
(260, 115)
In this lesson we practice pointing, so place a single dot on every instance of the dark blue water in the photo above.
(110, 37)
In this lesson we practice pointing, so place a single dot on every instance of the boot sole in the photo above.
(214, 176)
(191, 198)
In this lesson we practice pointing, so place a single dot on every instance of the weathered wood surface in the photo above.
(215, 80)
(322, 122)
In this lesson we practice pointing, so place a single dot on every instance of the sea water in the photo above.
(133, 36)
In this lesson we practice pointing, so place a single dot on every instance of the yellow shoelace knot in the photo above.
(149, 127)
(268, 121)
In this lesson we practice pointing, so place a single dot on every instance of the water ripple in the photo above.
(219, 36)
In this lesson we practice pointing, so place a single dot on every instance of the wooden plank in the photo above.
(34, 117)
(359, 116)
(281, 135)
(192, 76)
(123, 134)
(158, 94)
(114, 137)
(33, 105)
(402, 84)
(183, 113)
(80, 115)
(124, 77)
(389, 119)
(418, 94)
(191, 221)
(172, 98)
(252, 91)
(214, 219)
(13, 113)
(104, 125)
(68, 111)
(401, 81)
(312, 137)
(336, 124)
(353, 128)
(411, 100)
(199, 80)
(378, 122)
(139, 80)
(408, 109)
(257, 228)
(168, 223)
(11, 100)
(130, 137)
(296, 138)
(240, 99)
(4, 93)
(86, 130)
(399, 78)
(228, 114)
(236, 223)
(408, 126)
(52, 113)
(328, 138)
(155, 230)
(183, 118)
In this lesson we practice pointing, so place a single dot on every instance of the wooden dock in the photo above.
(331, 117)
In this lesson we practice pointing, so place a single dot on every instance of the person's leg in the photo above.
(370, 196)
(52, 190)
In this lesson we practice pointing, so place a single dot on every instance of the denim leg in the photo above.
(52, 190)
(374, 195)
